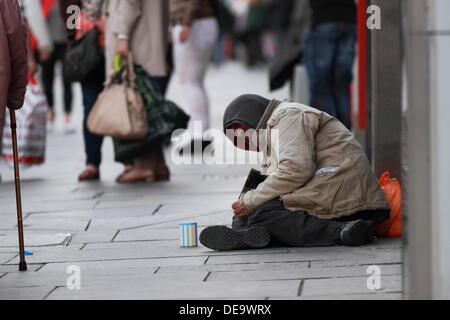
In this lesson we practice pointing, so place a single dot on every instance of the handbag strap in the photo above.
(127, 75)
(130, 72)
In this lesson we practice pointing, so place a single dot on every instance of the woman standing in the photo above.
(56, 27)
(92, 86)
(195, 33)
(140, 28)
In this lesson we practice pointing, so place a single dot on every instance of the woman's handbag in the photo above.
(83, 56)
(164, 117)
(119, 111)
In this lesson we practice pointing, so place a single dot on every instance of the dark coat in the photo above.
(13, 57)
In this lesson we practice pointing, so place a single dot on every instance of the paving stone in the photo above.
(6, 256)
(93, 236)
(158, 289)
(36, 222)
(359, 257)
(360, 296)
(33, 238)
(148, 234)
(257, 266)
(28, 293)
(14, 268)
(338, 286)
(307, 273)
(124, 266)
(96, 278)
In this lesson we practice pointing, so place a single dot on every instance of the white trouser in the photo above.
(191, 61)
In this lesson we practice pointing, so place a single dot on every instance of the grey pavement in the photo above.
(124, 238)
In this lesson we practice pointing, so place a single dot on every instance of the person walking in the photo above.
(140, 28)
(57, 29)
(329, 55)
(13, 58)
(35, 19)
(91, 16)
(195, 33)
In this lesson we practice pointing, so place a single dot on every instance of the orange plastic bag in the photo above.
(393, 193)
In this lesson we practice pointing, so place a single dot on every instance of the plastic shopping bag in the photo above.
(393, 193)
(31, 128)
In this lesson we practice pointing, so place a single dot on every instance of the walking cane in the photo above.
(22, 262)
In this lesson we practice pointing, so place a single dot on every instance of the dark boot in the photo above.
(222, 238)
(355, 233)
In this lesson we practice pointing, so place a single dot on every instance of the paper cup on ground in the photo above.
(188, 235)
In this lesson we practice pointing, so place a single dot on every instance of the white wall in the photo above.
(439, 33)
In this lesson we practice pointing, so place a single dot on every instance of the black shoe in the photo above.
(222, 238)
(355, 233)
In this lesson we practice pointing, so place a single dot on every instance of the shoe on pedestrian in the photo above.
(69, 128)
(50, 126)
(89, 174)
(137, 175)
(162, 174)
(222, 238)
(355, 233)
(127, 169)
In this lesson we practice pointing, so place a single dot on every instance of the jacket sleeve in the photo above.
(129, 10)
(37, 23)
(296, 158)
(16, 32)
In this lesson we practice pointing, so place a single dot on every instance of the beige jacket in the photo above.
(314, 164)
(146, 22)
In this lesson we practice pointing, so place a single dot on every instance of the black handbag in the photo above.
(83, 56)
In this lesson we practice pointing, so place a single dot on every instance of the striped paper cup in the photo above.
(188, 235)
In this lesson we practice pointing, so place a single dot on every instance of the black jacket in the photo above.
(333, 11)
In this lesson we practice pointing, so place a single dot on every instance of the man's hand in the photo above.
(122, 47)
(239, 209)
(185, 33)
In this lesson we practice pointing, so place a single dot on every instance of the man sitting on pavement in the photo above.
(320, 189)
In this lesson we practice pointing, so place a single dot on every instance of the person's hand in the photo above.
(185, 33)
(122, 47)
(44, 54)
(239, 209)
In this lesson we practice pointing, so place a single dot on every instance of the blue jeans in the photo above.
(329, 54)
(92, 142)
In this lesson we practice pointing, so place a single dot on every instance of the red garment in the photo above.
(47, 6)
(86, 25)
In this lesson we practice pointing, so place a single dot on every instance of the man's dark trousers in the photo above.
(298, 228)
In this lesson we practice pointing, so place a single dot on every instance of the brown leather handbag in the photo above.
(119, 111)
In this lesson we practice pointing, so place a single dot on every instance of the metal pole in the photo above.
(22, 262)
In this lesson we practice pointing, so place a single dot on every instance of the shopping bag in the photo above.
(31, 128)
(119, 111)
(393, 193)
